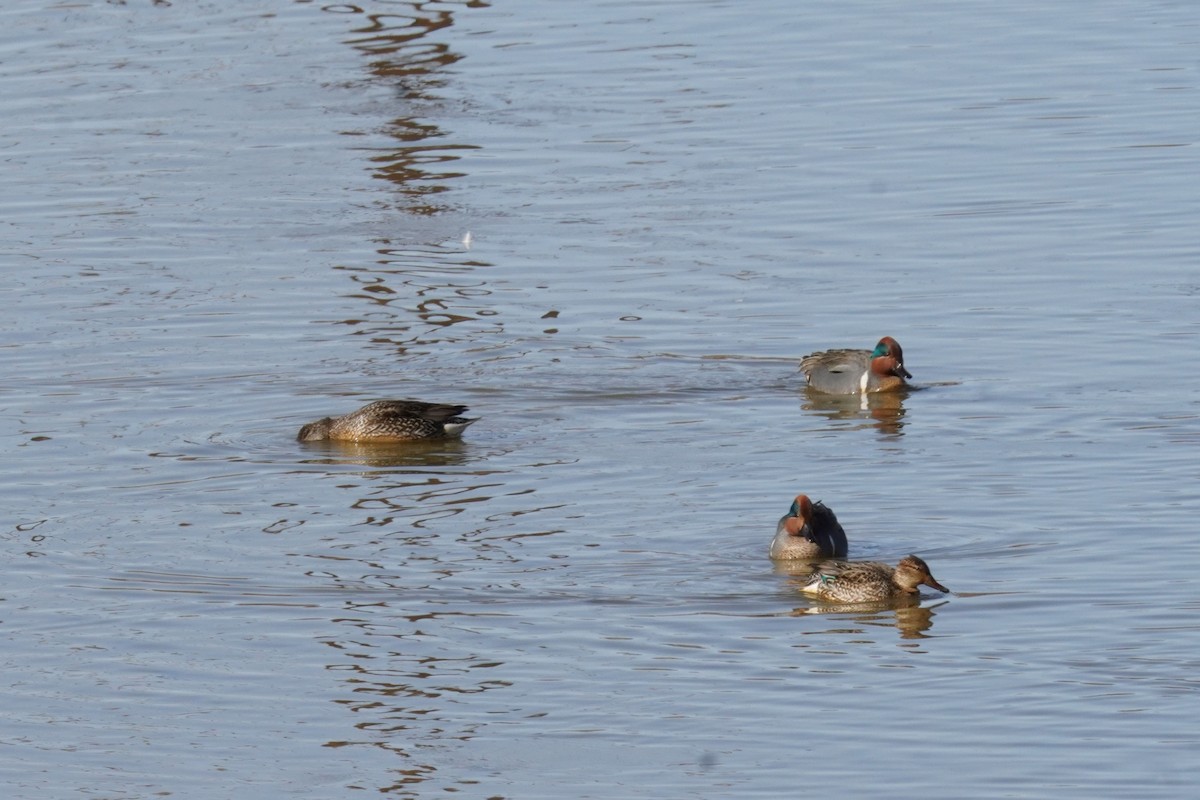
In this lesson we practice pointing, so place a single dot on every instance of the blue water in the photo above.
(612, 230)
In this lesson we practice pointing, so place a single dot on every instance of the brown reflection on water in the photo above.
(883, 411)
(402, 56)
(435, 454)
(410, 167)
(414, 648)
(418, 295)
(406, 504)
(416, 292)
(403, 696)
(908, 616)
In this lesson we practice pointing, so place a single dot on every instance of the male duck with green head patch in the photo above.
(857, 371)
(808, 531)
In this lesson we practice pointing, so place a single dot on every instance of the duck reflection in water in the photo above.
(884, 409)
(912, 620)
(429, 453)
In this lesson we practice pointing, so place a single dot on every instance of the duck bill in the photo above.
(900, 370)
(934, 584)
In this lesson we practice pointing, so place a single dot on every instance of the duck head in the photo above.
(798, 516)
(888, 359)
(912, 571)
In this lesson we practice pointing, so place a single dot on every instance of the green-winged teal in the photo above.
(869, 581)
(809, 530)
(390, 421)
(857, 371)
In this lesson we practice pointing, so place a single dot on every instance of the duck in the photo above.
(857, 371)
(869, 581)
(809, 530)
(390, 421)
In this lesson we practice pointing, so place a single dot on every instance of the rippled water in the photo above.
(611, 230)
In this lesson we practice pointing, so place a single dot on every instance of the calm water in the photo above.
(611, 229)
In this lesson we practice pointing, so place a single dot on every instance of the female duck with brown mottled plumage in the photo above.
(390, 421)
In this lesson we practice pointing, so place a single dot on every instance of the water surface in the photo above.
(612, 231)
